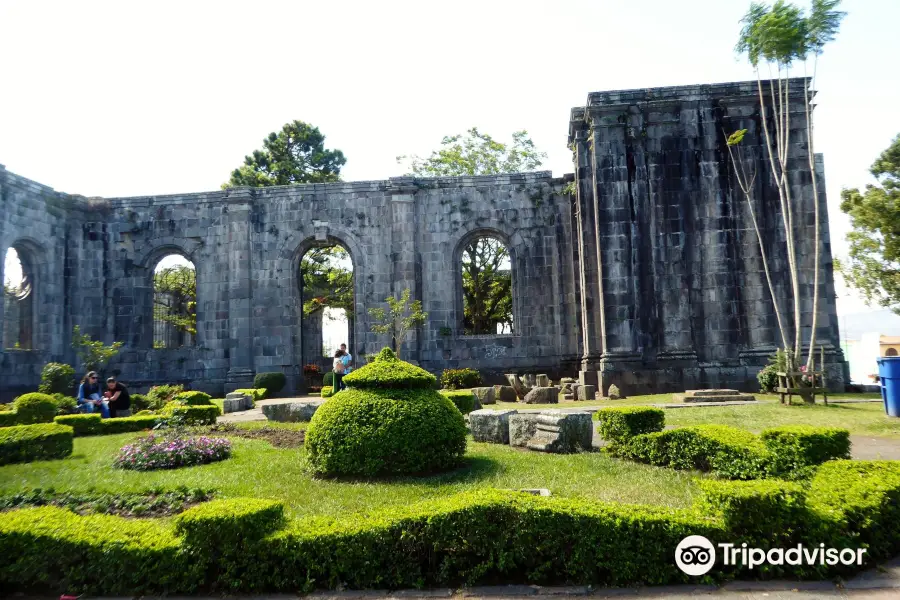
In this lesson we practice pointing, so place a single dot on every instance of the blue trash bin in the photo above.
(889, 374)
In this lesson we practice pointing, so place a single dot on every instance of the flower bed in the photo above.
(166, 452)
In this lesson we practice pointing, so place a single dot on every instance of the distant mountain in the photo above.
(881, 321)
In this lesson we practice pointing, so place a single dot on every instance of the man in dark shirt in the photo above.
(119, 400)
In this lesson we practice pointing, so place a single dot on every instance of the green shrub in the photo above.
(476, 537)
(82, 424)
(191, 415)
(273, 382)
(8, 418)
(160, 395)
(255, 393)
(65, 405)
(455, 379)
(858, 504)
(618, 425)
(728, 451)
(57, 378)
(130, 424)
(139, 402)
(766, 512)
(35, 408)
(51, 548)
(372, 429)
(43, 441)
(463, 400)
(768, 379)
(229, 524)
(328, 379)
(795, 449)
(193, 398)
(327, 391)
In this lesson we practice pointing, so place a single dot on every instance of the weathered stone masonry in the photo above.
(649, 277)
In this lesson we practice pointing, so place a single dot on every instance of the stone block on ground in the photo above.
(490, 426)
(555, 431)
(542, 395)
(586, 392)
(238, 401)
(505, 393)
(543, 380)
(291, 412)
(522, 427)
(123, 413)
(713, 396)
(517, 384)
(614, 393)
(485, 395)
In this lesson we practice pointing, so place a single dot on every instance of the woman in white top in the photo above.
(338, 367)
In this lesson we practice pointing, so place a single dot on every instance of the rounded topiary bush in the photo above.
(390, 421)
(273, 382)
(57, 378)
(193, 398)
(35, 408)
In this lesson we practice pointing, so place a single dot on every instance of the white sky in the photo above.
(128, 98)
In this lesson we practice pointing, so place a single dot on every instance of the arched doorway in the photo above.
(18, 300)
(174, 302)
(326, 278)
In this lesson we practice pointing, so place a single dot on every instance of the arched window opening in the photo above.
(487, 287)
(891, 352)
(174, 302)
(18, 301)
(326, 290)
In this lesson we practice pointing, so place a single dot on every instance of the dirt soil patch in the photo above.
(280, 438)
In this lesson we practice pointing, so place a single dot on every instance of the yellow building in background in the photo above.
(889, 345)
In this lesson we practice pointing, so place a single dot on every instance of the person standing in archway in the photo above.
(338, 367)
(347, 359)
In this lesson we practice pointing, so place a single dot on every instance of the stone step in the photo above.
(722, 392)
(723, 398)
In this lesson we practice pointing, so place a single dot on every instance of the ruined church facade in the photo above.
(642, 269)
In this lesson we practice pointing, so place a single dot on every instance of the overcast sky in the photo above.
(128, 98)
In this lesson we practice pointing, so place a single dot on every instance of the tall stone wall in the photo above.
(676, 295)
(97, 257)
(649, 276)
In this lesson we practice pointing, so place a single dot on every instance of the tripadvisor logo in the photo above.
(695, 555)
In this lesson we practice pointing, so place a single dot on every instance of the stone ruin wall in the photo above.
(648, 277)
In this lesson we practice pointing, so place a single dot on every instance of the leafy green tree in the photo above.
(476, 153)
(175, 297)
(874, 260)
(487, 287)
(327, 280)
(94, 355)
(296, 154)
(401, 316)
(777, 37)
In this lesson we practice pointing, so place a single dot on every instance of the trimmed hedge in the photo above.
(471, 538)
(35, 408)
(454, 379)
(728, 451)
(617, 425)
(386, 371)
(42, 441)
(139, 402)
(82, 424)
(193, 398)
(328, 379)
(858, 503)
(255, 393)
(272, 381)
(53, 548)
(192, 415)
(8, 418)
(92, 424)
(160, 395)
(131, 424)
(328, 391)
(795, 449)
(463, 400)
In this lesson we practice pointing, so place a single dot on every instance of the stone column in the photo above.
(240, 296)
(404, 273)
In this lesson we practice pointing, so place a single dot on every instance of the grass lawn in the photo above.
(260, 470)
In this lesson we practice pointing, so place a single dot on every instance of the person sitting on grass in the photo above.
(119, 400)
(90, 396)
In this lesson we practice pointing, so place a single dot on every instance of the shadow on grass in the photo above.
(470, 470)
